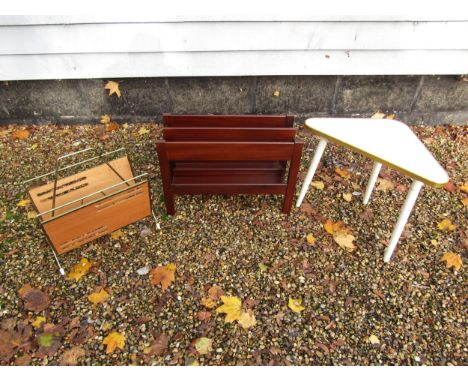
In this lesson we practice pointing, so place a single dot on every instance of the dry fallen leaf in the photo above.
(450, 186)
(204, 345)
(111, 126)
(384, 185)
(71, 356)
(38, 321)
(247, 319)
(114, 340)
(318, 184)
(276, 93)
(208, 302)
(215, 292)
(310, 239)
(373, 339)
(378, 115)
(23, 203)
(99, 297)
(345, 240)
(143, 131)
(452, 260)
(158, 346)
(465, 201)
(308, 209)
(204, 315)
(34, 299)
(345, 174)
(463, 187)
(334, 227)
(79, 270)
(115, 235)
(295, 304)
(341, 234)
(446, 225)
(347, 196)
(232, 307)
(105, 119)
(164, 275)
(20, 134)
(32, 214)
(113, 87)
(262, 267)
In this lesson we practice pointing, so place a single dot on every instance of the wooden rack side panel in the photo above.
(98, 219)
(81, 184)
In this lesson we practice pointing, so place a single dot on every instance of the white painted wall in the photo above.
(59, 47)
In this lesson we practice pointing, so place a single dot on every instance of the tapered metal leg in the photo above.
(403, 218)
(372, 180)
(61, 270)
(310, 173)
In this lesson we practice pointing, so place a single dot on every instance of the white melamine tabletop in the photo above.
(384, 140)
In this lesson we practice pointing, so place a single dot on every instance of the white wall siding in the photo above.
(47, 50)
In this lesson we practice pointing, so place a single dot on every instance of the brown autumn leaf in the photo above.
(308, 209)
(165, 275)
(34, 299)
(333, 227)
(450, 186)
(318, 184)
(158, 346)
(203, 315)
(345, 241)
(113, 87)
(341, 234)
(384, 185)
(347, 196)
(345, 174)
(208, 302)
(20, 134)
(111, 126)
(247, 319)
(215, 292)
(71, 356)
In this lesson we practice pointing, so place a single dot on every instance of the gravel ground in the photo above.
(358, 310)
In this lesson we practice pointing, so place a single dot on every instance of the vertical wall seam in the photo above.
(416, 94)
(335, 96)
(169, 93)
(253, 95)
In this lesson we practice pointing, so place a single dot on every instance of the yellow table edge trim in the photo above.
(408, 173)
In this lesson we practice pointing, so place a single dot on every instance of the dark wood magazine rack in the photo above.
(228, 154)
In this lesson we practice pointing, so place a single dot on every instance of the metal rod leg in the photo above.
(62, 271)
(155, 220)
(403, 218)
(372, 180)
(310, 173)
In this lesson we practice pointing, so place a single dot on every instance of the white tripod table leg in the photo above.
(310, 173)
(372, 180)
(403, 218)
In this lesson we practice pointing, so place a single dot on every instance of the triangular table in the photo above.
(385, 141)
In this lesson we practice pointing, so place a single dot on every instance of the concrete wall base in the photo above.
(413, 99)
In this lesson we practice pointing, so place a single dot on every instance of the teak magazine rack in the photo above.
(229, 154)
(77, 209)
